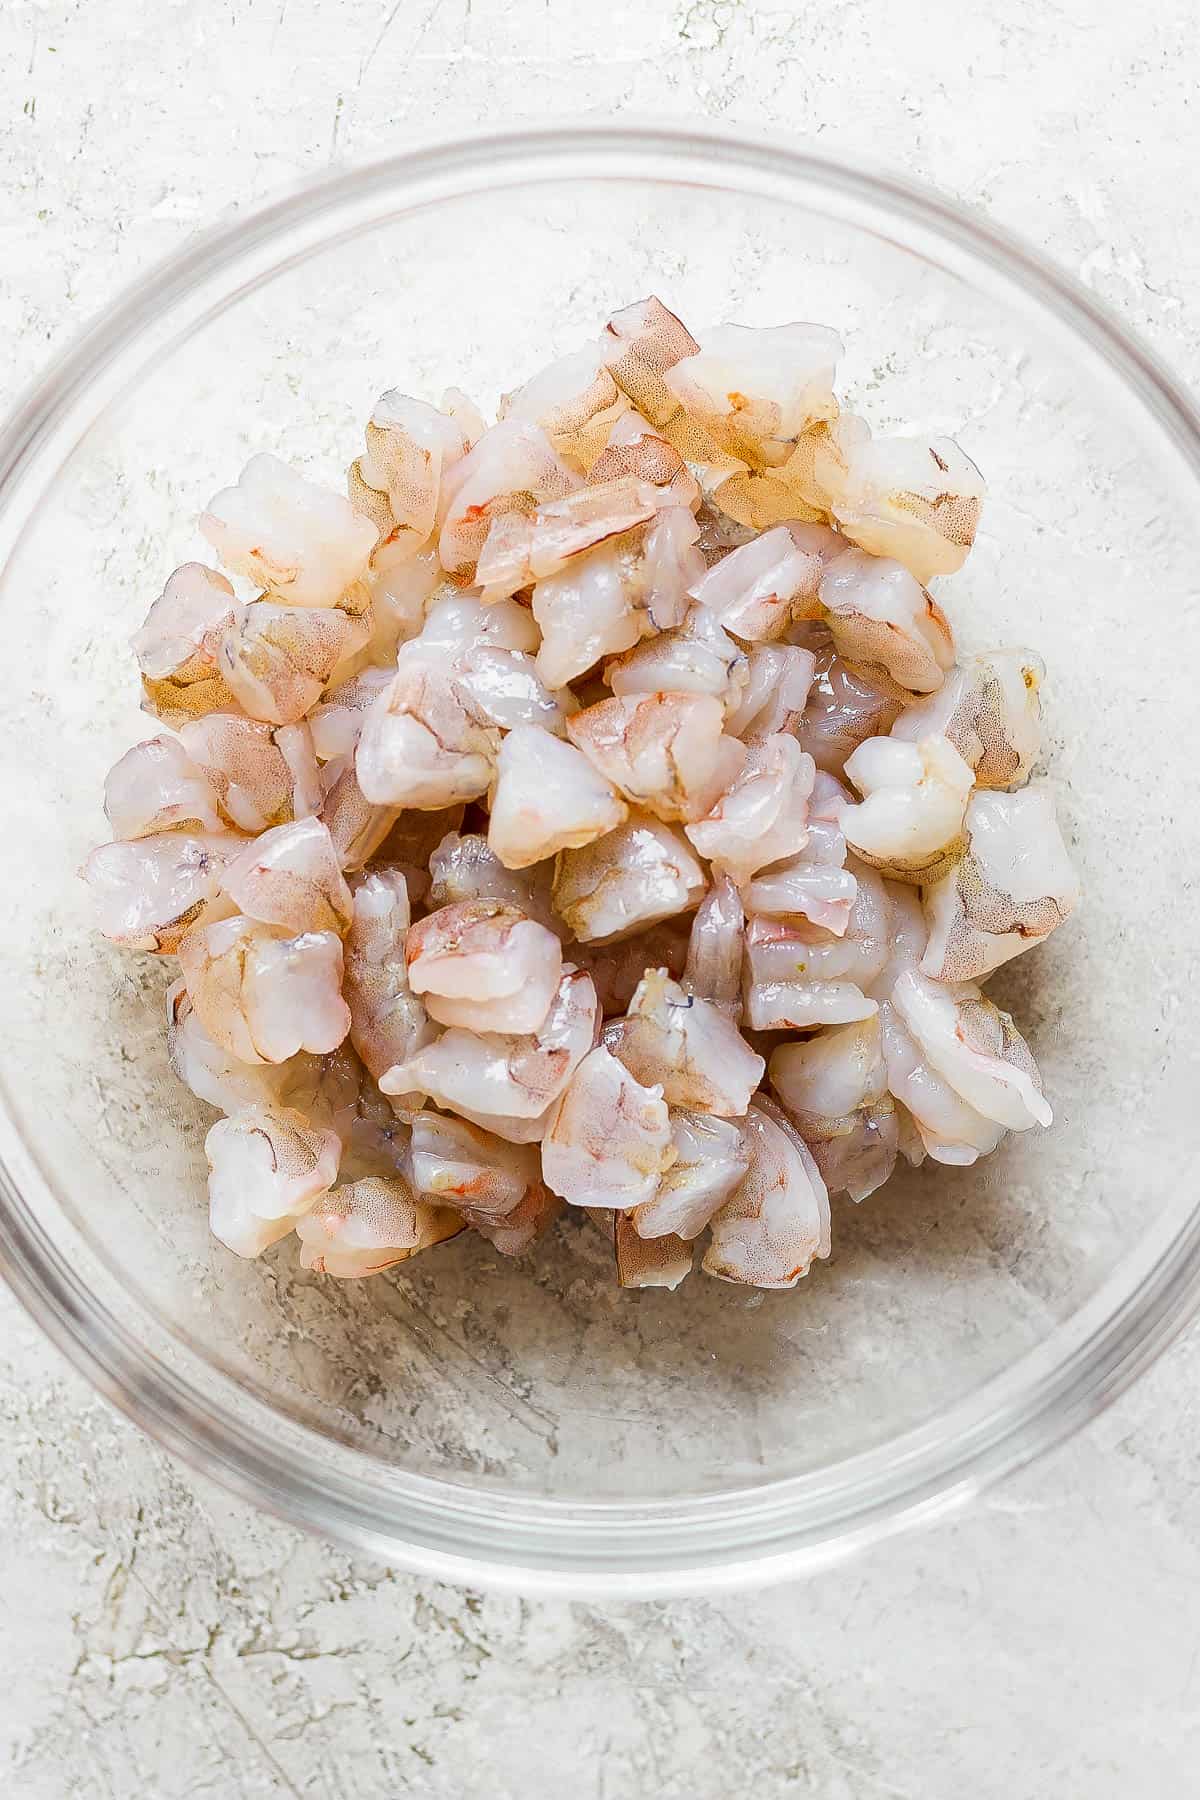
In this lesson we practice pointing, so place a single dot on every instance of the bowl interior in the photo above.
(539, 1376)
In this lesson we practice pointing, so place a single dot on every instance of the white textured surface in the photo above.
(159, 1639)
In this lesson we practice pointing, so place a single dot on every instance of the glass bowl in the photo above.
(527, 1422)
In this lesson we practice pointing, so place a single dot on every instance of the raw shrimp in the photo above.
(662, 752)
(715, 947)
(776, 1221)
(366, 1226)
(1012, 886)
(990, 709)
(298, 540)
(763, 814)
(757, 591)
(843, 709)
(915, 498)
(465, 867)
(799, 975)
(422, 744)
(609, 1138)
(290, 876)
(277, 660)
(754, 391)
(178, 646)
(396, 481)
(513, 468)
(882, 620)
(698, 657)
(478, 1174)
(262, 995)
(522, 547)
(267, 1167)
(157, 787)
(834, 1088)
(547, 797)
(687, 1047)
(150, 892)
(245, 764)
(638, 874)
(711, 1158)
(779, 678)
(909, 823)
(484, 966)
(388, 1023)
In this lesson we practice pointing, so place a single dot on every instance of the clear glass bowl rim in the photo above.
(779, 1528)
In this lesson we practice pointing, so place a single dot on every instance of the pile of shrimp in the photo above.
(589, 810)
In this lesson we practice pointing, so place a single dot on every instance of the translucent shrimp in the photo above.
(755, 390)
(711, 1158)
(357, 829)
(698, 657)
(507, 1084)
(403, 585)
(157, 787)
(909, 823)
(290, 876)
(177, 647)
(662, 752)
(366, 1226)
(776, 1221)
(608, 1139)
(267, 1167)
(422, 743)
(208, 1070)
(799, 975)
(574, 400)
(336, 722)
(150, 892)
(298, 540)
(262, 774)
(513, 1234)
(947, 1129)
(484, 966)
(262, 995)
(396, 481)
(512, 468)
(762, 816)
(834, 1088)
(504, 688)
(990, 709)
(759, 590)
(917, 499)
(843, 709)
(276, 660)
(975, 1047)
(388, 1023)
(638, 874)
(465, 867)
(660, 1262)
(779, 678)
(815, 884)
(881, 619)
(456, 1164)
(590, 611)
(687, 1047)
(547, 797)
(524, 547)
(1010, 889)
(715, 948)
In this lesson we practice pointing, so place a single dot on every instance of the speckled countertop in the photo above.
(158, 1639)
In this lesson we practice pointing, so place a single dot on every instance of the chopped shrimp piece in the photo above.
(715, 947)
(484, 966)
(298, 540)
(915, 498)
(669, 568)
(660, 1262)
(834, 1088)
(277, 660)
(780, 676)
(636, 452)
(521, 548)
(799, 975)
(505, 1083)
(513, 468)
(178, 646)
(777, 1219)
(366, 1226)
(157, 787)
(640, 343)
(661, 751)
(357, 829)
(336, 722)
(990, 709)
(267, 1167)
(844, 708)
(687, 1047)
(757, 591)
(947, 1129)
(465, 867)
(458, 1165)
(815, 884)
(150, 892)
(698, 657)
(1011, 888)
(243, 761)
(609, 1138)
(547, 797)
(882, 620)
(388, 1023)
(513, 1234)
(710, 1160)
(211, 1073)
(422, 743)
(763, 814)
(975, 1047)
(754, 390)
(592, 610)
(909, 823)
(403, 585)
(290, 876)
(396, 482)
(504, 688)
(262, 995)
(574, 400)
(640, 873)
